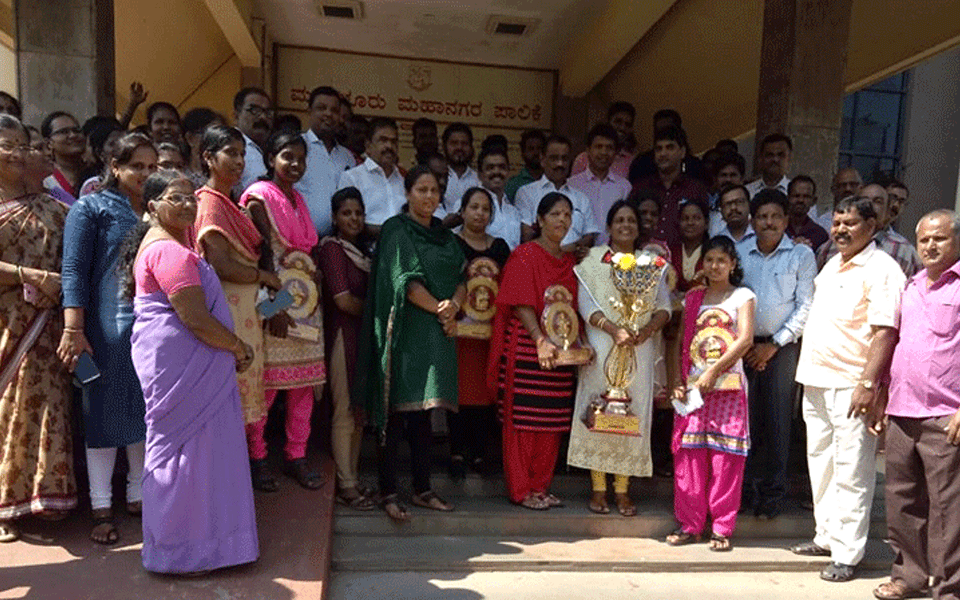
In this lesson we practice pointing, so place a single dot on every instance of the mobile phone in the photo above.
(86, 370)
(282, 301)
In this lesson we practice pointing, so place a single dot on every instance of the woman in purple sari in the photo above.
(198, 511)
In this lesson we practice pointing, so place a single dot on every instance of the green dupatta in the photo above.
(405, 362)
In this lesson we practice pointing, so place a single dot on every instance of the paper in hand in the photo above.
(694, 401)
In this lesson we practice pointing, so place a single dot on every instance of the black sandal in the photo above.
(358, 502)
(430, 499)
(263, 480)
(720, 543)
(299, 470)
(682, 538)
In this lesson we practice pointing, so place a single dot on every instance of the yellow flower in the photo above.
(626, 262)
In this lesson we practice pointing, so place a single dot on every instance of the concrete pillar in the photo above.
(802, 61)
(571, 119)
(65, 57)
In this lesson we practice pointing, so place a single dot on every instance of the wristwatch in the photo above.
(867, 384)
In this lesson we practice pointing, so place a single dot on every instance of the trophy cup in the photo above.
(562, 327)
(479, 306)
(714, 334)
(636, 279)
(296, 274)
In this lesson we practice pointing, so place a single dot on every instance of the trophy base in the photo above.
(476, 331)
(618, 424)
(573, 356)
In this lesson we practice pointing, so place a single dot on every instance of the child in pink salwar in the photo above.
(710, 443)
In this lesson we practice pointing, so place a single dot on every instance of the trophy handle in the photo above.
(620, 367)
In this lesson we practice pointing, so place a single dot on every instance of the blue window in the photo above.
(872, 128)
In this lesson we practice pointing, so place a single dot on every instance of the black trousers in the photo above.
(770, 394)
(471, 430)
(416, 428)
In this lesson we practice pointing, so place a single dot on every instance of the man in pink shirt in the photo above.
(923, 460)
(598, 182)
(620, 116)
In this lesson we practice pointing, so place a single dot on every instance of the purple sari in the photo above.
(198, 511)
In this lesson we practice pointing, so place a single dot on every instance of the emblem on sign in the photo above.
(418, 77)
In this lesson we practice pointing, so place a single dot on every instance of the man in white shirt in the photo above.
(253, 114)
(556, 167)
(378, 177)
(505, 221)
(598, 182)
(735, 209)
(458, 148)
(326, 159)
(775, 151)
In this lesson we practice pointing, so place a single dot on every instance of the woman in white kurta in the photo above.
(603, 453)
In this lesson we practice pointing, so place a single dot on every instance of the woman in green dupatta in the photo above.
(407, 363)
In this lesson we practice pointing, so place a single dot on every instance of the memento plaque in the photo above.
(562, 327)
(714, 334)
(479, 306)
(297, 276)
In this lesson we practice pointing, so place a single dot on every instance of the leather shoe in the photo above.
(809, 549)
(838, 572)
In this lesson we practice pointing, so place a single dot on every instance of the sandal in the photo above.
(458, 468)
(896, 590)
(135, 508)
(429, 499)
(8, 532)
(533, 502)
(357, 502)
(682, 538)
(598, 503)
(720, 543)
(104, 531)
(394, 509)
(626, 508)
(260, 476)
(298, 469)
(551, 500)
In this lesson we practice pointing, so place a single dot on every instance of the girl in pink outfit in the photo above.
(710, 443)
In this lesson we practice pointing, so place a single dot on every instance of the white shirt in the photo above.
(603, 194)
(528, 198)
(749, 233)
(505, 222)
(754, 187)
(321, 177)
(253, 167)
(383, 196)
(457, 186)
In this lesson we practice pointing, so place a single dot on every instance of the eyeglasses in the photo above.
(65, 131)
(259, 111)
(179, 198)
(11, 148)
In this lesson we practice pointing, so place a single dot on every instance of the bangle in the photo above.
(601, 322)
(456, 304)
(73, 329)
(20, 274)
(256, 276)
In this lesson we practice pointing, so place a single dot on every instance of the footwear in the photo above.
(720, 543)
(809, 549)
(135, 508)
(551, 500)
(625, 507)
(458, 468)
(838, 572)
(430, 499)
(895, 590)
(598, 503)
(298, 469)
(263, 480)
(8, 532)
(356, 501)
(533, 502)
(104, 531)
(767, 510)
(394, 509)
(682, 538)
(52, 516)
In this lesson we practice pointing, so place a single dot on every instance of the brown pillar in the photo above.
(65, 57)
(570, 119)
(802, 61)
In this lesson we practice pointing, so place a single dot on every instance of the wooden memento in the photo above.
(562, 327)
(479, 306)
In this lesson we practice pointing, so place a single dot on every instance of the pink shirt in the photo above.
(602, 193)
(620, 166)
(925, 374)
(166, 265)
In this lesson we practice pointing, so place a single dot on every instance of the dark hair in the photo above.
(728, 143)
(127, 145)
(729, 188)
(288, 122)
(704, 210)
(154, 187)
(620, 204)
(378, 123)
(46, 127)
(216, 138)
(494, 151)
(896, 183)
(546, 205)
(671, 133)
(863, 206)
(557, 139)
(433, 156)
(802, 179)
(277, 141)
(16, 104)
(337, 201)
(726, 245)
(773, 138)
(604, 130)
(97, 122)
(532, 134)
(769, 196)
(415, 174)
(668, 113)
(726, 160)
(170, 146)
(621, 107)
(641, 195)
(11, 122)
(495, 140)
(158, 106)
(465, 199)
(323, 90)
(455, 128)
(423, 123)
(241, 96)
(197, 119)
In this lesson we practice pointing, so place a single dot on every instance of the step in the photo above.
(610, 554)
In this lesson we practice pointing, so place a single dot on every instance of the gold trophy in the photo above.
(636, 279)
(562, 327)
(714, 335)
(479, 308)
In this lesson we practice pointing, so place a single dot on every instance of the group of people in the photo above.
(206, 268)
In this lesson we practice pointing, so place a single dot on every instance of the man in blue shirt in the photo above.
(781, 274)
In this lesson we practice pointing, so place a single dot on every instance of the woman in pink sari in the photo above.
(293, 342)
